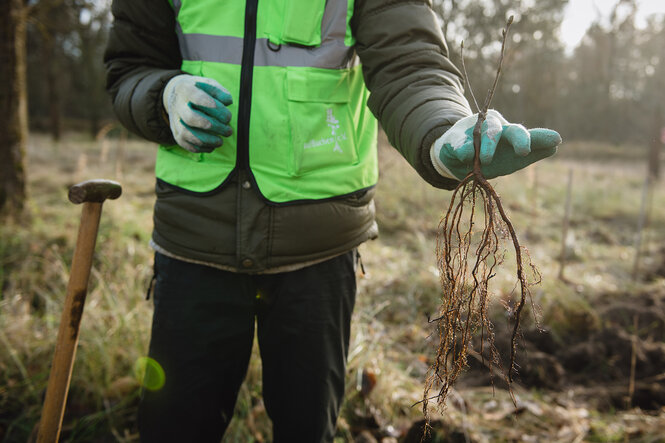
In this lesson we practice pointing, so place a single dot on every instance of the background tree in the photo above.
(607, 89)
(529, 90)
(66, 39)
(617, 78)
(13, 106)
(48, 22)
(92, 32)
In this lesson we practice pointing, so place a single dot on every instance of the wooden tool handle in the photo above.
(95, 191)
(92, 194)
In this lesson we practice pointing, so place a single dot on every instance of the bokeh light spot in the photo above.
(149, 373)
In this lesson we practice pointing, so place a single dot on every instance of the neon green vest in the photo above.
(310, 134)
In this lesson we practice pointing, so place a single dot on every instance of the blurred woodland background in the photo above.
(610, 88)
(593, 219)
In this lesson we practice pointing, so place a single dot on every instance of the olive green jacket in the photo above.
(415, 93)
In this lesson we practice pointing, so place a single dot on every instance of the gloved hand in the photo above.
(504, 147)
(198, 113)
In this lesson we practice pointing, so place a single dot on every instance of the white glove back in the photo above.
(198, 113)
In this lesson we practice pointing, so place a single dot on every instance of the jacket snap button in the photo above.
(247, 263)
(246, 184)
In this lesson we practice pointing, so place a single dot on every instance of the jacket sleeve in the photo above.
(142, 55)
(415, 91)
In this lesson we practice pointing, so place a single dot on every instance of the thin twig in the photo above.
(633, 362)
(566, 222)
(467, 82)
(490, 95)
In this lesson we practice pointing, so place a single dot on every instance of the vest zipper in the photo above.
(243, 252)
(246, 74)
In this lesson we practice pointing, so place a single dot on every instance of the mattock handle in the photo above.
(92, 194)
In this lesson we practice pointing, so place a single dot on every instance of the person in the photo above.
(265, 180)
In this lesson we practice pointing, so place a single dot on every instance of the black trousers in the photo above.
(202, 336)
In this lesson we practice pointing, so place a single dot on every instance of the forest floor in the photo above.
(599, 330)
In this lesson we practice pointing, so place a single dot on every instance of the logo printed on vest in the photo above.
(335, 135)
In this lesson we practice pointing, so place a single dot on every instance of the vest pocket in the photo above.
(322, 128)
(302, 22)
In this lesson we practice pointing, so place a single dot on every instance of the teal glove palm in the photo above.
(504, 148)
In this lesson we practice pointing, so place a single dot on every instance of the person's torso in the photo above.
(302, 129)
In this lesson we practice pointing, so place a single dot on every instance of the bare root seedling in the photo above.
(467, 259)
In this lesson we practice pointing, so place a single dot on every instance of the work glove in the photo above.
(198, 113)
(504, 147)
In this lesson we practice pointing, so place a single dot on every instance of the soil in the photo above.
(597, 359)
(586, 368)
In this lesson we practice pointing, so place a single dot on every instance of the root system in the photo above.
(469, 252)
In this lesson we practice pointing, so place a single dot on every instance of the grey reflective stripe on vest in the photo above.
(332, 54)
(221, 49)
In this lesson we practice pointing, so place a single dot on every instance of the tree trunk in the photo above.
(94, 122)
(13, 106)
(656, 145)
(48, 53)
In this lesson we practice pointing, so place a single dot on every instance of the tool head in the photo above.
(96, 191)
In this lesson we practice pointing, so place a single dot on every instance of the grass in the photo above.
(391, 339)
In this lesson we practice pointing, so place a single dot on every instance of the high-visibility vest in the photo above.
(300, 120)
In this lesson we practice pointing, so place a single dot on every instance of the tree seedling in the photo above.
(468, 259)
